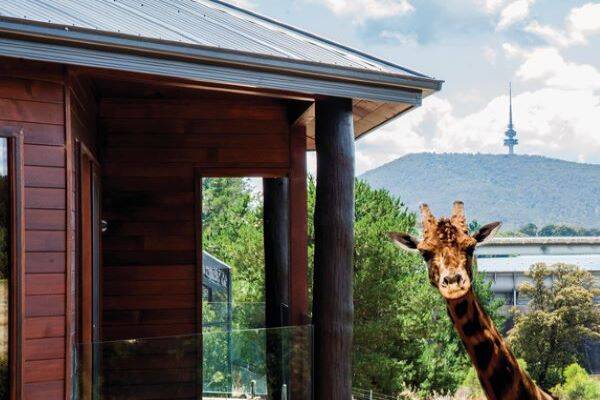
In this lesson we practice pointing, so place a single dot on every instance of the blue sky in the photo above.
(549, 49)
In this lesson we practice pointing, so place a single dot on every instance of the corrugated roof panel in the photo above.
(196, 22)
(590, 262)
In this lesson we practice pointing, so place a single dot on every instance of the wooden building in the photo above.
(113, 110)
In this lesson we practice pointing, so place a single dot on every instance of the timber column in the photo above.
(334, 246)
(277, 257)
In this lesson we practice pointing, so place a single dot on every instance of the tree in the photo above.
(530, 229)
(232, 230)
(562, 316)
(549, 230)
(578, 385)
(474, 226)
(403, 336)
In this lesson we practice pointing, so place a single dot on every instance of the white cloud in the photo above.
(247, 4)
(490, 6)
(552, 122)
(368, 9)
(581, 23)
(547, 65)
(514, 12)
(512, 50)
(397, 138)
(558, 119)
(399, 37)
(489, 54)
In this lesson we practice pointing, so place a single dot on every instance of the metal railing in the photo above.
(367, 394)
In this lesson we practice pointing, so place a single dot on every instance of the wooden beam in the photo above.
(277, 265)
(171, 82)
(334, 242)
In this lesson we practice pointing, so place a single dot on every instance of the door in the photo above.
(90, 229)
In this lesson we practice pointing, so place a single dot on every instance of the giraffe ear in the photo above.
(404, 241)
(487, 232)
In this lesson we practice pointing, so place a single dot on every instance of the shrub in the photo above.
(471, 388)
(578, 385)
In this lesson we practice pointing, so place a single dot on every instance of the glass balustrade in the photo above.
(218, 364)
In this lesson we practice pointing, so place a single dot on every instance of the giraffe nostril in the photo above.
(455, 279)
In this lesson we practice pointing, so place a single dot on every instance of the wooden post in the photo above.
(298, 280)
(334, 241)
(298, 339)
(277, 257)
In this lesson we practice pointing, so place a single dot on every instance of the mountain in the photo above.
(514, 189)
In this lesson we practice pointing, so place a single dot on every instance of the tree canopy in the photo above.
(532, 229)
(402, 335)
(562, 316)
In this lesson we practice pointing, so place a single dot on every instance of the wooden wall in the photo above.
(150, 273)
(32, 97)
(148, 149)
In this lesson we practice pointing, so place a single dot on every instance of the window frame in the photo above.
(14, 136)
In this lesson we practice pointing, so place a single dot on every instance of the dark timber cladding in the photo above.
(334, 241)
(32, 99)
(150, 286)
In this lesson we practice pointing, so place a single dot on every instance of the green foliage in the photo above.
(402, 335)
(474, 226)
(232, 230)
(516, 190)
(561, 317)
(578, 385)
(471, 387)
(556, 230)
(529, 229)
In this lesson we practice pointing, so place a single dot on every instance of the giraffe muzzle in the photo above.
(453, 286)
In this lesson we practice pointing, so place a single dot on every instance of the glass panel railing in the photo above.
(232, 364)
(236, 315)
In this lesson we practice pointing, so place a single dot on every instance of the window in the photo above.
(506, 297)
(5, 271)
(10, 262)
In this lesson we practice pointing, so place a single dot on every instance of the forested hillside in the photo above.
(516, 189)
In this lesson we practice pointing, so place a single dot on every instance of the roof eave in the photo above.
(109, 41)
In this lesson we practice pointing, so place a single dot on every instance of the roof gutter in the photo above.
(111, 42)
(202, 72)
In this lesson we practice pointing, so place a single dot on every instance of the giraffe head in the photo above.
(447, 248)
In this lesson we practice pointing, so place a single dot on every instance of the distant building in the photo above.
(506, 260)
(511, 134)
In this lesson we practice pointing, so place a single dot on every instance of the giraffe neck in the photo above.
(500, 375)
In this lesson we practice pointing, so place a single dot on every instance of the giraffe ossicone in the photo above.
(448, 249)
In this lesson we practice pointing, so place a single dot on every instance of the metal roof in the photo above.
(590, 262)
(210, 261)
(206, 24)
(551, 240)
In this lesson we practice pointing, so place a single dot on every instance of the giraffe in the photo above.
(448, 250)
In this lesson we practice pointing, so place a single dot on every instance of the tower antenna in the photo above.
(511, 141)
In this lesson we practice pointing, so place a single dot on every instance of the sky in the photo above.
(548, 49)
